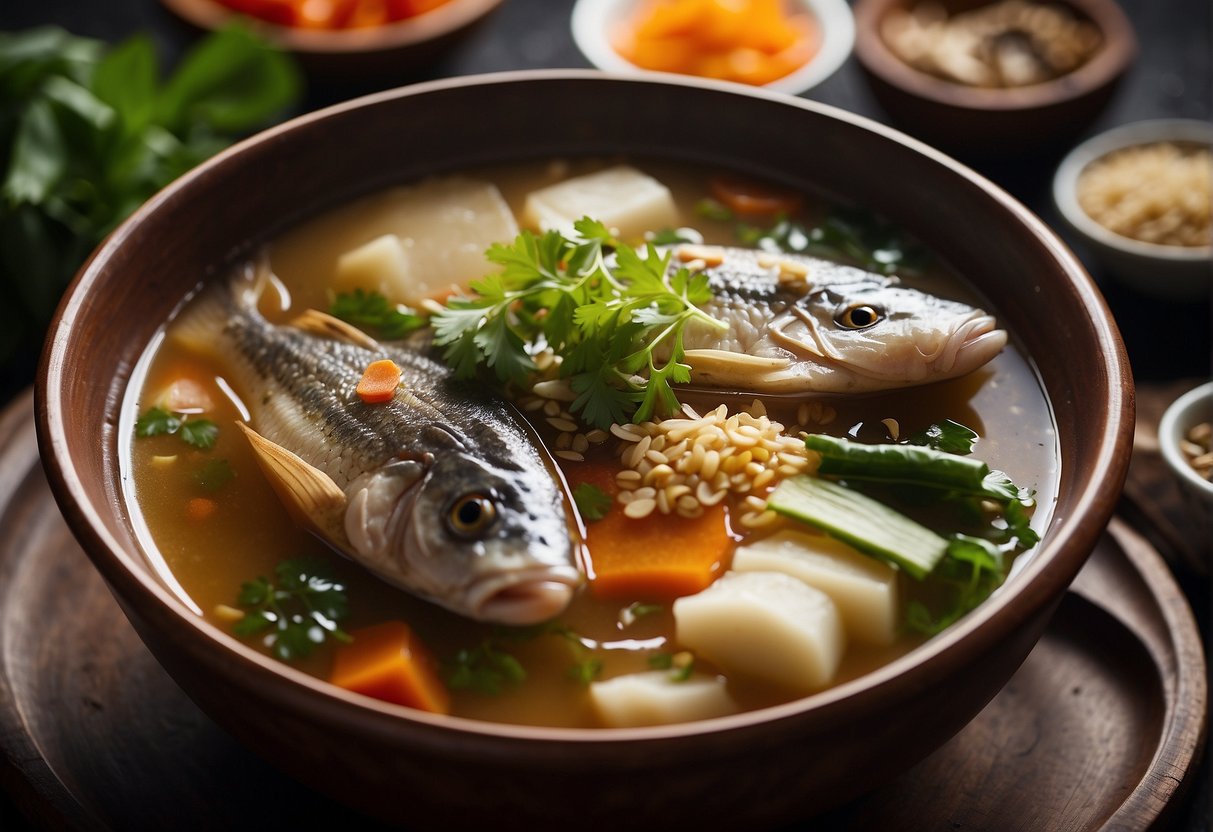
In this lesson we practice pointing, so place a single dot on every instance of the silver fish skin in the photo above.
(800, 324)
(447, 494)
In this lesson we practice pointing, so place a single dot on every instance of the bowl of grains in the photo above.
(987, 78)
(1185, 439)
(1139, 197)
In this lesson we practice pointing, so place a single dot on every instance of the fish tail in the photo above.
(207, 316)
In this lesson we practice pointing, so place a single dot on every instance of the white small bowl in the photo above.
(1185, 413)
(1175, 272)
(595, 20)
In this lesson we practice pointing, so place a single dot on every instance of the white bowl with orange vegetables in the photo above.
(783, 45)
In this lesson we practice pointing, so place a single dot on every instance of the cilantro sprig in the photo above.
(592, 502)
(618, 326)
(372, 312)
(297, 612)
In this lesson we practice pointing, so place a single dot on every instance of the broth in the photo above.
(246, 531)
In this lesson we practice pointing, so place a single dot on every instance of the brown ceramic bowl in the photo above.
(994, 122)
(749, 770)
(380, 52)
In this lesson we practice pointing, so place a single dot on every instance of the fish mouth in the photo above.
(528, 597)
(974, 342)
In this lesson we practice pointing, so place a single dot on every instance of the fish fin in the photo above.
(727, 367)
(309, 495)
(319, 323)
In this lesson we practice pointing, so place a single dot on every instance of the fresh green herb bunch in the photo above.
(610, 323)
(298, 611)
(87, 133)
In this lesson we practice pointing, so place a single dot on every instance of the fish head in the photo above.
(877, 334)
(488, 542)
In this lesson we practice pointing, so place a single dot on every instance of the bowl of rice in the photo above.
(1139, 196)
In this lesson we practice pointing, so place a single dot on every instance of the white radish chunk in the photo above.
(440, 230)
(863, 588)
(621, 198)
(654, 698)
(765, 625)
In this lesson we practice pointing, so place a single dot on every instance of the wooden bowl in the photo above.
(381, 52)
(988, 122)
(750, 770)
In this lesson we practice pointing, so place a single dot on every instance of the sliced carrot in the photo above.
(750, 198)
(379, 382)
(654, 558)
(387, 661)
(200, 508)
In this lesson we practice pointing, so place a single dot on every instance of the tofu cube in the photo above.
(863, 588)
(440, 230)
(764, 625)
(621, 198)
(654, 698)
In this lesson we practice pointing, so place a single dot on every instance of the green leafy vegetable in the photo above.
(951, 437)
(681, 665)
(297, 612)
(592, 502)
(214, 475)
(635, 610)
(201, 433)
(198, 433)
(618, 328)
(157, 421)
(372, 312)
(973, 568)
(87, 134)
(485, 668)
(586, 666)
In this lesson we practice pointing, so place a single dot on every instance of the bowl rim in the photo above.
(1133, 134)
(129, 573)
(1113, 58)
(592, 21)
(1179, 416)
(400, 34)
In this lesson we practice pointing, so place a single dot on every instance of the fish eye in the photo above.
(858, 316)
(471, 514)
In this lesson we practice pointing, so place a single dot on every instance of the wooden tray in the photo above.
(1098, 729)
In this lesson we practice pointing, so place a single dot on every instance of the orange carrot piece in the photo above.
(655, 558)
(387, 661)
(200, 508)
(379, 382)
(748, 198)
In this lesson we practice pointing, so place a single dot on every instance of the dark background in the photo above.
(1171, 79)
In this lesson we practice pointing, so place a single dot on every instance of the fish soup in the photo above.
(654, 555)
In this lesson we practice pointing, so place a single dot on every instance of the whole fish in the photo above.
(441, 491)
(799, 324)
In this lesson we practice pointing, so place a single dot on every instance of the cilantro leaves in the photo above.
(297, 612)
(618, 328)
(198, 433)
(592, 502)
(371, 312)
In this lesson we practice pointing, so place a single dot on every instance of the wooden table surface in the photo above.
(1168, 342)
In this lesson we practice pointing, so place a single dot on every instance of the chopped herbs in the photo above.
(592, 502)
(618, 327)
(198, 433)
(635, 610)
(214, 475)
(485, 668)
(295, 613)
(681, 665)
(951, 437)
(373, 313)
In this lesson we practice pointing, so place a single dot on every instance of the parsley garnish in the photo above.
(371, 311)
(300, 610)
(156, 421)
(485, 668)
(609, 323)
(592, 502)
(951, 437)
